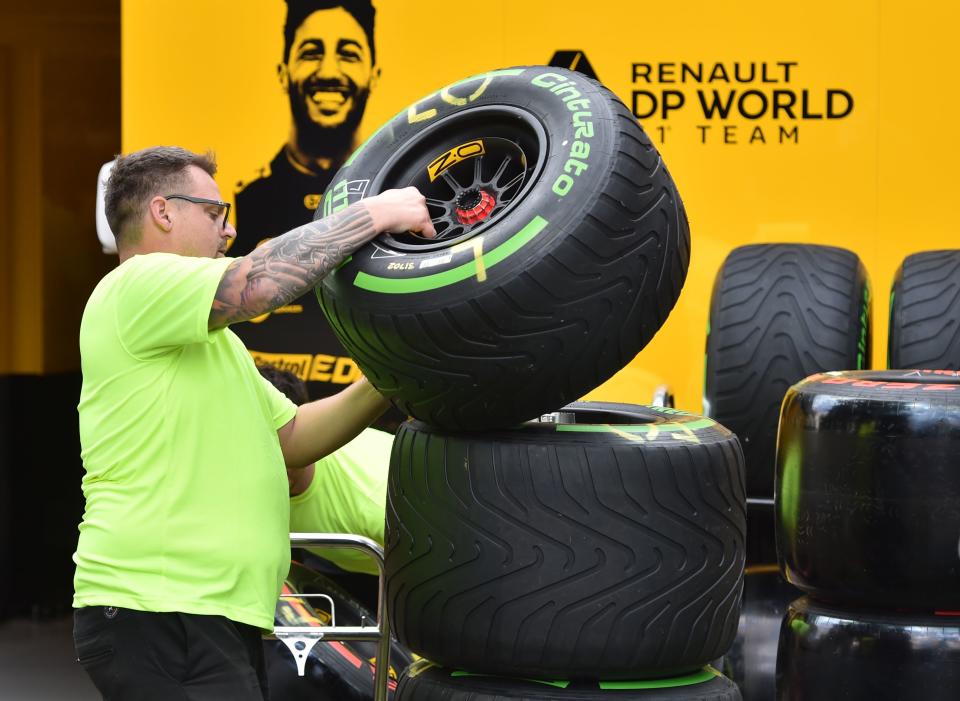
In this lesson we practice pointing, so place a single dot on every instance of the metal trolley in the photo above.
(301, 639)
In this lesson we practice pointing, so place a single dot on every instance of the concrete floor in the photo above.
(37, 662)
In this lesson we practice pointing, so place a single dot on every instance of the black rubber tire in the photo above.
(424, 681)
(751, 662)
(856, 655)
(779, 313)
(335, 671)
(925, 312)
(867, 488)
(607, 549)
(569, 288)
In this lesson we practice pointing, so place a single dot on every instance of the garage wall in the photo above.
(859, 154)
(59, 121)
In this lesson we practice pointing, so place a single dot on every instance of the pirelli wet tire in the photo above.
(868, 493)
(335, 671)
(779, 313)
(925, 312)
(425, 681)
(607, 547)
(562, 247)
(859, 655)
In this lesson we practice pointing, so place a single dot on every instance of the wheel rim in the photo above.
(473, 167)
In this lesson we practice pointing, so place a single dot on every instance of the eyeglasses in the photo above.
(202, 200)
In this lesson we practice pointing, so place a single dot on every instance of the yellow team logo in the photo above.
(453, 156)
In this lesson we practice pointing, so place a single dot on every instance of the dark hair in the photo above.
(298, 11)
(140, 175)
(286, 382)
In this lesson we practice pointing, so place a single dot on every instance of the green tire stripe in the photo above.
(704, 675)
(558, 685)
(636, 428)
(893, 293)
(385, 285)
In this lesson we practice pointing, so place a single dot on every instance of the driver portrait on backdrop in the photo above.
(328, 70)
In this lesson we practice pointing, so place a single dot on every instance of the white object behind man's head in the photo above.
(107, 239)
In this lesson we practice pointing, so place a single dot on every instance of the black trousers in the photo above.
(135, 655)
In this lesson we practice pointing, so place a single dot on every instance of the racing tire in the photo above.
(571, 259)
(925, 312)
(610, 547)
(858, 655)
(779, 313)
(424, 681)
(867, 488)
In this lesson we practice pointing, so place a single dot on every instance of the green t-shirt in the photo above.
(186, 493)
(348, 494)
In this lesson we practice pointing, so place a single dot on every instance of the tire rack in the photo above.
(301, 639)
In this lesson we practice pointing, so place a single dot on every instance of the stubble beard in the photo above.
(321, 141)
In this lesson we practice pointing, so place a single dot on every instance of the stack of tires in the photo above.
(778, 313)
(597, 552)
(868, 510)
(608, 548)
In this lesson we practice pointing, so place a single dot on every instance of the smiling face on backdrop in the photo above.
(328, 76)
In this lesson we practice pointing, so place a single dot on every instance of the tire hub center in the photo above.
(474, 205)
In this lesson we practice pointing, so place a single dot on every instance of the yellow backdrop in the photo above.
(861, 152)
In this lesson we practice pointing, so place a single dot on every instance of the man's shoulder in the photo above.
(259, 181)
(159, 268)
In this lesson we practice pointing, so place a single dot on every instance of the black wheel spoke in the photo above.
(477, 162)
(447, 233)
(513, 181)
(451, 181)
(466, 197)
(502, 167)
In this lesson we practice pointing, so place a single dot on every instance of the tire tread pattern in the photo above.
(600, 294)
(925, 312)
(581, 558)
(779, 313)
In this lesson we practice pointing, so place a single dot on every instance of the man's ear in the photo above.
(374, 78)
(283, 75)
(160, 213)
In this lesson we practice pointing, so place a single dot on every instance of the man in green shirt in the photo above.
(184, 541)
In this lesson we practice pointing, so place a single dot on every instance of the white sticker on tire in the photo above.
(432, 262)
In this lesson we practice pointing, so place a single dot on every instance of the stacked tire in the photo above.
(600, 548)
(778, 313)
(925, 312)
(867, 526)
(606, 547)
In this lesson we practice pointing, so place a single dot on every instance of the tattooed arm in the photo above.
(290, 265)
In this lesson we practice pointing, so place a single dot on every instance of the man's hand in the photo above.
(399, 211)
